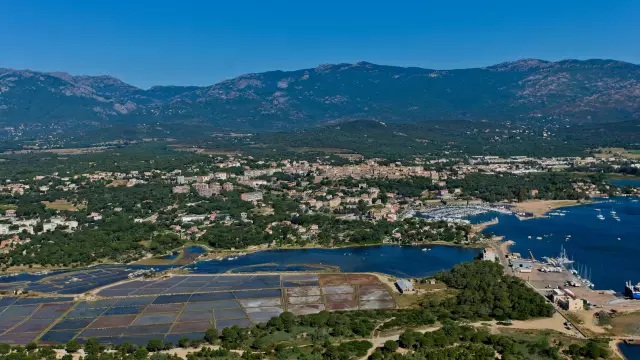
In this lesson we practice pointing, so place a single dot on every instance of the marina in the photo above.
(597, 246)
(461, 213)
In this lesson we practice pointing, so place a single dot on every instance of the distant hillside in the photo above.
(572, 91)
(449, 138)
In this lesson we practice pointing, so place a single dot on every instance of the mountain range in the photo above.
(568, 91)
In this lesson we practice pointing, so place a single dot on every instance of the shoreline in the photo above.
(540, 208)
(227, 253)
(479, 245)
(351, 246)
(615, 176)
(614, 345)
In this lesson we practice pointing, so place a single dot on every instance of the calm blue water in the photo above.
(403, 261)
(172, 256)
(593, 242)
(631, 352)
(626, 182)
(28, 277)
(191, 250)
(488, 216)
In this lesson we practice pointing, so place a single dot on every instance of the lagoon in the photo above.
(401, 261)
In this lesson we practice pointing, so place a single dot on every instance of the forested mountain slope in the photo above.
(570, 91)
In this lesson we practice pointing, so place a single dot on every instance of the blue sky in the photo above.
(187, 42)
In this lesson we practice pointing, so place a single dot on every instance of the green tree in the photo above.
(72, 346)
(407, 339)
(159, 356)
(141, 354)
(183, 342)
(390, 346)
(92, 346)
(288, 320)
(155, 345)
(211, 335)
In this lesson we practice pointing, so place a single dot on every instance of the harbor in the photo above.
(462, 213)
(587, 310)
(605, 251)
(583, 260)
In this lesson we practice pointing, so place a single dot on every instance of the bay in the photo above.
(593, 243)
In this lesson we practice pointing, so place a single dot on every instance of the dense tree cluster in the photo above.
(485, 291)
(506, 186)
(453, 341)
(138, 157)
(450, 341)
(117, 239)
(407, 187)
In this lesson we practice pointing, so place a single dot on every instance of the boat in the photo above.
(426, 249)
(556, 213)
(563, 258)
(529, 237)
(539, 238)
(632, 291)
(600, 217)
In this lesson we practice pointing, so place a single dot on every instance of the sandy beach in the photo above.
(540, 207)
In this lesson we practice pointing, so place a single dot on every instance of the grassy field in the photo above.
(552, 336)
(323, 150)
(623, 177)
(627, 324)
(617, 152)
(69, 151)
(204, 151)
(62, 205)
(424, 292)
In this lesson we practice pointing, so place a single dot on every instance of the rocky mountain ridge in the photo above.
(572, 91)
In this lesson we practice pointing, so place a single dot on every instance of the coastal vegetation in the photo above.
(482, 292)
(485, 291)
(505, 186)
(135, 221)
